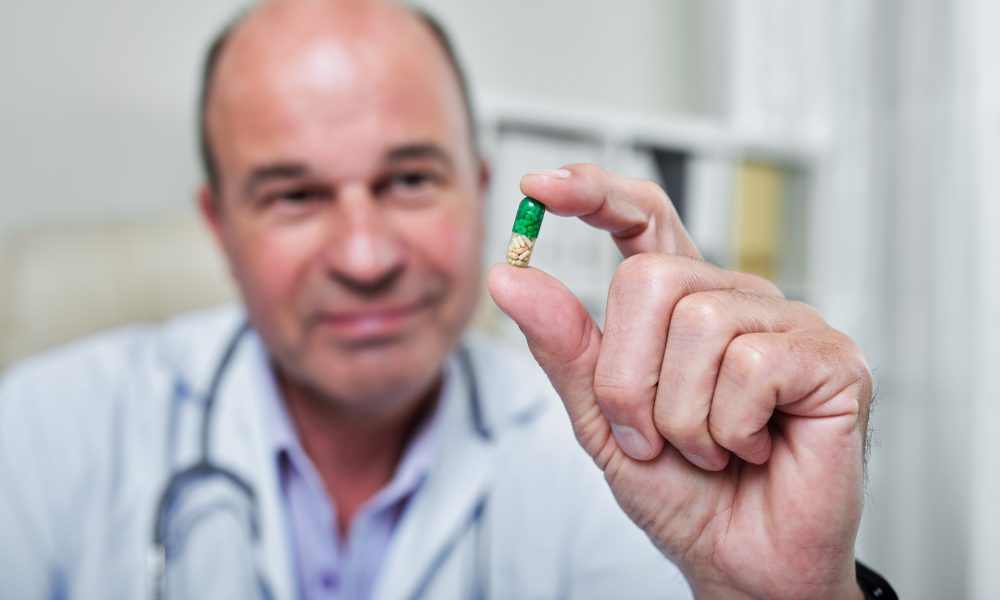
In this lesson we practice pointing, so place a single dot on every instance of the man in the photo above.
(345, 443)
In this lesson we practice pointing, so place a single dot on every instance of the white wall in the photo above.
(97, 101)
(932, 521)
(640, 54)
(96, 109)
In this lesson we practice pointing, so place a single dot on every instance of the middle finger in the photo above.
(643, 293)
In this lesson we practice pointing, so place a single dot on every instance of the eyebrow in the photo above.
(419, 151)
(265, 173)
(293, 170)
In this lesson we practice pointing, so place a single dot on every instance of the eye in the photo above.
(410, 187)
(297, 196)
(410, 180)
(414, 179)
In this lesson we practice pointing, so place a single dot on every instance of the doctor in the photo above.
(338, 436)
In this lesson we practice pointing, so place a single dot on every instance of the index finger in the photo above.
(637, 213)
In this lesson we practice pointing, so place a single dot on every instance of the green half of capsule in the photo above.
(527, 224)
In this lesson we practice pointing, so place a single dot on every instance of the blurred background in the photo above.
(843, 149)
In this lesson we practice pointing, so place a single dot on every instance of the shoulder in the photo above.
(79, 426)
(100, 364)
(61, 406)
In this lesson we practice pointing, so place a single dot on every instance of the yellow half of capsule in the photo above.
(519, 249)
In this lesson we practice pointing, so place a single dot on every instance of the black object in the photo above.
(872, 584)
(672, 168)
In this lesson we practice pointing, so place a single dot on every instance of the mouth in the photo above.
(376, 325)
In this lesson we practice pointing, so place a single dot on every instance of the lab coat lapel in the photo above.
(242, 443)
(445, 506)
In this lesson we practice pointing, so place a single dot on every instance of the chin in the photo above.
(380, 376)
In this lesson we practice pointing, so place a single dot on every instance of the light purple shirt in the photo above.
(330, 566)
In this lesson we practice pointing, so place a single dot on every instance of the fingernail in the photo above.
(631, 441)
(557, 173)
(699, 461)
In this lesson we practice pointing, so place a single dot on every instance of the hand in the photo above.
(729, 422)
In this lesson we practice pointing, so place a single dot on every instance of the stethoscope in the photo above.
(166, 542)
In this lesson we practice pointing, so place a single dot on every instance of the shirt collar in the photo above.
(413, 467)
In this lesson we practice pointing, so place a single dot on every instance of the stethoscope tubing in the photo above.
(183, 479)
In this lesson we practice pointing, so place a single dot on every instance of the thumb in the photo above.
(563, 339)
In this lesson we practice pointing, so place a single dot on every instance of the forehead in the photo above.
(353, 82)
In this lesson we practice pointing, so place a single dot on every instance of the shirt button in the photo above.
(328, 580)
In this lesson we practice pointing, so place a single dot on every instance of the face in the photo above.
(349, 206)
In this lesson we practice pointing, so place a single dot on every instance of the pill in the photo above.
(527, 223)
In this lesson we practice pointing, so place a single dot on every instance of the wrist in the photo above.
(835, 581)
(865, 585)
(849, 590)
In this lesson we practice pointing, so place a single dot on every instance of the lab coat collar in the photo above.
(476, 413)
(241, 443)
(465, 457)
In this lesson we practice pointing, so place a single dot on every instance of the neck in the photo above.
(355, 452)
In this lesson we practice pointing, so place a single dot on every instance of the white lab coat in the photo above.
(88, 439)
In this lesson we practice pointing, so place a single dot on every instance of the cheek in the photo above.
(451, 242)
(268, 268)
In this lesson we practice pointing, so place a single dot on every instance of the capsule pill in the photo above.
(527, 223)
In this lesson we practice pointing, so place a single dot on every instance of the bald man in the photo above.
(337, 435)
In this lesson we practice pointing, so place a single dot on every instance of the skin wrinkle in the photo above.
(754, 495)
(520, 293)
(852, 381)
(693, 278)
(592, 340)
(219, 44)
(642, 275)
(314, 69)
(722, 513)
(617, 389)
(755, 516)
(344, 142)
(345, 102)
(834, 550)
(314, 249)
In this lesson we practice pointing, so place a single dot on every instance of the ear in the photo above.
(211, 212)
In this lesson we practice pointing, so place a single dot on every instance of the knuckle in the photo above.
(576, 166)
(809, 312)
(863, 371)
(856, 364)
(681, 432)
(617, 396)
(736, 435)
(684, 426)
(753, 446)
(655, 192)
(639, 266)
(722, 434)
(745, 360)
(850, 349)
(590, 172)
(657, 272)
(766, 285)
(650, 188)
(839, 354)
(703, 312)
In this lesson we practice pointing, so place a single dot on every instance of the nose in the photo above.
(364, 254)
